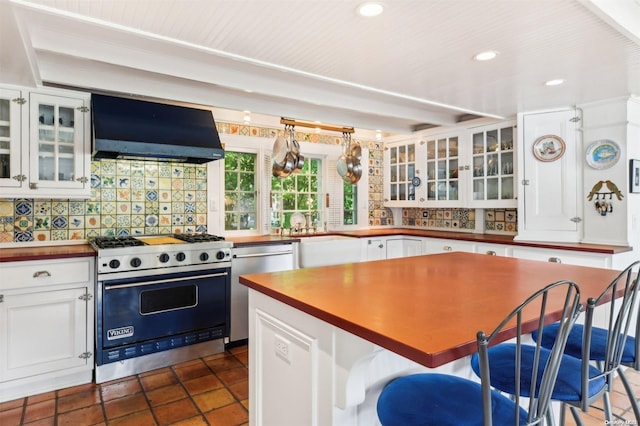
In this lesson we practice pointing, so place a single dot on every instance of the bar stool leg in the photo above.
(629, 389)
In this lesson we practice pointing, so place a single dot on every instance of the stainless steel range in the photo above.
(160, 300)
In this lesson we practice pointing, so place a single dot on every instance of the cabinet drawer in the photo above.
(25, 274)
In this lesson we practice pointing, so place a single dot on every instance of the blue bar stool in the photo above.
(432, 399)
(610, 348)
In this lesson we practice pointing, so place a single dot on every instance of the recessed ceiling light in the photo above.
(486, 56)
(555, 82)
(370, 9)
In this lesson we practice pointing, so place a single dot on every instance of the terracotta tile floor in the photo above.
(213, 390)
(208, 391)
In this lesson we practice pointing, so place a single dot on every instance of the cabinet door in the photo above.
(403, 247)
(437, 245)
(11, 160)
(403, 178)
(549, 192)
(443, 165)
(376, 249)
(493, 166)
(59, 146)
(42, 332)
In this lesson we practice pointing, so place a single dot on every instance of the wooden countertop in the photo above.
(463, 236)
(46, 252)
(425, 308)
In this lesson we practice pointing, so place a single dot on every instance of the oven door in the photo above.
(153, 313)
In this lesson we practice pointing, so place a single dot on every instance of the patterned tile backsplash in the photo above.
(496, 221)
(127, 198)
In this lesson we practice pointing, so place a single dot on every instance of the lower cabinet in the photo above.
(43, 332)
(46, 325)
(391, 247)
(595, 260)
(439, 245)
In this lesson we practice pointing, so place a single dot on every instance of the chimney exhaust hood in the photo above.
(136, 129)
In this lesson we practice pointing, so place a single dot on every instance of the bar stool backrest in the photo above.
(542, 387)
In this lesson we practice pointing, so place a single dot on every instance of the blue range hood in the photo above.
(136, 129)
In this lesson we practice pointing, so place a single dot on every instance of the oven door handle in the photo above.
(274, 253)
(171, 280)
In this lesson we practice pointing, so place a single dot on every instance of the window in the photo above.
(350, 202)
(298, 192)
(240, 191)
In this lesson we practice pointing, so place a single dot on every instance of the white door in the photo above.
(550, 185)
(42, 332)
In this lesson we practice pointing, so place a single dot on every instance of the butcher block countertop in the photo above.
(463, 236)
(425, 308)
(14, 254)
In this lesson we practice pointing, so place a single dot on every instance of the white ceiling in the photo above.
(318, 60)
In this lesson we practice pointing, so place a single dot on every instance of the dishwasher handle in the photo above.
(274, 253)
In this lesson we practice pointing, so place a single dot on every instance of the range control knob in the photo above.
(180, 257)
(114, 264)
(164, 258)
(220, 255)
(135, 262)
(204, 257)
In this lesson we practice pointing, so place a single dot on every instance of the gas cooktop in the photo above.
(146, 252)
(131, 241)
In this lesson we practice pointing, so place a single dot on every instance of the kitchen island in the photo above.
(326, 340)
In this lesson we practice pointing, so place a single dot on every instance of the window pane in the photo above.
(240, 194)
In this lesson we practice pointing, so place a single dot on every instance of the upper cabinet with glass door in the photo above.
(44, 143)
(492, 166)
(12, 163)
(443, 162)
(404, 182)
(59, 140)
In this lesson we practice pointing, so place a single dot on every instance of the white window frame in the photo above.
(263, 148)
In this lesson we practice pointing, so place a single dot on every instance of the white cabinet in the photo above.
(403, 247)
(443, 161)
(595, 260)
(374, 248)
(12, 163)
(45, 143)
(46, 325)
(404, 180)
(391, 247)
(439, 245)
(455, 167)
(550, 201)
(493, 249)
(493, 166)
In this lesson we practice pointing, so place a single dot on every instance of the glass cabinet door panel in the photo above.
(506, 138)
(431, 170)
(412, 192)
(402, 157)
(431, 150)
(411, 170)
(507, 188)
(453, 147)
(478, 143)
(393, 192)
(442, 169)
(493, 164)
(5, 138)
(403, 192)
(393, 155)
(492, 188)
(478, 189)
(393, 177)
(411, 153)
(453, 190)
(507, 163)
(431, 191)
(402, 176)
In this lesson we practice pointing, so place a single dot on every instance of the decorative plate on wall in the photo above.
(603, 154)
(548, 148)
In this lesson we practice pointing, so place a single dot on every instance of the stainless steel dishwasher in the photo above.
(253, 260)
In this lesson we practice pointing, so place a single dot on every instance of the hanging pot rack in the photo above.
(301, 123)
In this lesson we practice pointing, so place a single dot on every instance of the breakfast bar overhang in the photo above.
(324, 340)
